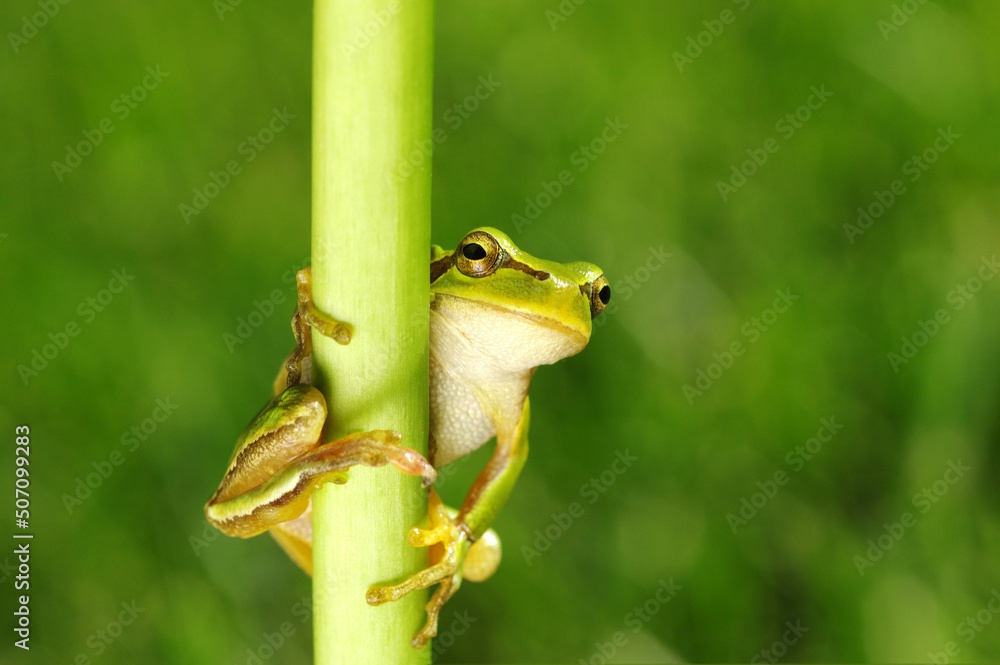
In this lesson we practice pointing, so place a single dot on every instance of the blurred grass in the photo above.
(665, 517)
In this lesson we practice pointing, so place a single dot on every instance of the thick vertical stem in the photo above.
(370, 249)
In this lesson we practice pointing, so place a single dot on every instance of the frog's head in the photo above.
(519, 310)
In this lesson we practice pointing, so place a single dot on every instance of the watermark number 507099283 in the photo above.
(22, 513)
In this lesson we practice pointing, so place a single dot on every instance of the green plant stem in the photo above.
(370, 248)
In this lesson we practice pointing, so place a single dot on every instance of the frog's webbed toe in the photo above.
(452, 558)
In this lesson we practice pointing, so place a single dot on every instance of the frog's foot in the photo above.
(481, 559)
(450, 543)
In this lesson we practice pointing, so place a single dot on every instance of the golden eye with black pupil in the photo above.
(474, 252)
(479, 255)
(600, 295)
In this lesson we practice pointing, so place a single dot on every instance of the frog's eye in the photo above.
(474, 252)
(600, 295)
(479, 254)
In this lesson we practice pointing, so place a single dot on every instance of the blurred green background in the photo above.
(696, 90)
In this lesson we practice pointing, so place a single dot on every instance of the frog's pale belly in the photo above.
(481, 361)
(458, 423)
(471, 394)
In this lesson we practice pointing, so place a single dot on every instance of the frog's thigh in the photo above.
(285, 495)
(288, 427)
(295, 537)
(281, 498)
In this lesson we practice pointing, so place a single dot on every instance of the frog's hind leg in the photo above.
(285, 495)
(279, 462)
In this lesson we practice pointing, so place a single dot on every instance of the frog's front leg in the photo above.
(296, 368)
(464, 545)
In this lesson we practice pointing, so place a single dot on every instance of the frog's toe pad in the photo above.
(423, 537)
(410, 461)
(378, 595)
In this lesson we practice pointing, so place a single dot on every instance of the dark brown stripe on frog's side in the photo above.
(239, 523)
(249, 452)
(441, 266)
(540, 275)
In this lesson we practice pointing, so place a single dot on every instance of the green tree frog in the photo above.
(496, 313)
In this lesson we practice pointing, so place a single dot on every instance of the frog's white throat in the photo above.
(481, 362)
